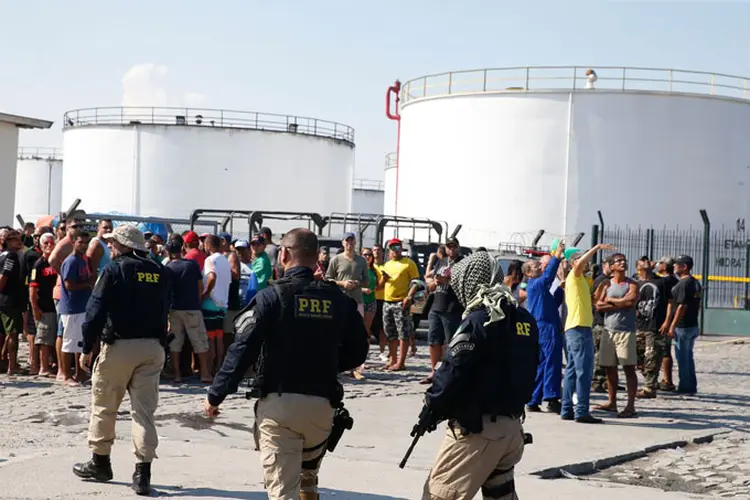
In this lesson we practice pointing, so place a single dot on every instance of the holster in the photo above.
(341, 421)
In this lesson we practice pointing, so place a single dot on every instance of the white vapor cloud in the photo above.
(147, 85)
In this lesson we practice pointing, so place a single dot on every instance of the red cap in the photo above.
(191, 237)
(394, 241)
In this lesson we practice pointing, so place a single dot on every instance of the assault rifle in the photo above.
(427, 422)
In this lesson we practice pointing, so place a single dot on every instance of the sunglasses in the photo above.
(367, 254)
(394, 247)
(73, 226)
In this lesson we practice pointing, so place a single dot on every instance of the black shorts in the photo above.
(377, 321)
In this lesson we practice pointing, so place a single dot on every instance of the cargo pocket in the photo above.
(269, 460)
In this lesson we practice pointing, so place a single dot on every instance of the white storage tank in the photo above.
(516, 150)
(367, 197)
(39, 174)
(169, 161)
(389, 196)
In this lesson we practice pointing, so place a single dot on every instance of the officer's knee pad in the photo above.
(309, 484)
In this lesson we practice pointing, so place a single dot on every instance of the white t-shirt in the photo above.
(219, 265)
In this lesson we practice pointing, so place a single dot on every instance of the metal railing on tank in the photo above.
(42, 153)
(541, 78)
(368, 184)
(248, 120)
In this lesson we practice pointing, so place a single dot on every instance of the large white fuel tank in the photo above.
(516, 150)
(38, 182)
(169, 162)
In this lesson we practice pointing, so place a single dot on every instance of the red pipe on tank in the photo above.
(395, 89)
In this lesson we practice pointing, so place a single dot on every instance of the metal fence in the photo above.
(721, 255)
(540, 78)
(249, 120)
(157, 225)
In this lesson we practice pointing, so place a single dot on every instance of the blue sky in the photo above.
(329, 59)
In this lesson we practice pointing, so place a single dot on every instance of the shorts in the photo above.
(214, 322)
(372, 307)
(73, 334)
(59, 319)
(190, 322)
(618, 349)
(46, 329)
(396, 321)
(441, 326)
(229, 318)
(361, 309)
(12, 320)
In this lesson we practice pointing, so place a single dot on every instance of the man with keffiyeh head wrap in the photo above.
(481, 386)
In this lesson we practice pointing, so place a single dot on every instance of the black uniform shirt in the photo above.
(259, 320)
(130, 299)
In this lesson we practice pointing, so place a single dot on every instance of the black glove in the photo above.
(428, 421)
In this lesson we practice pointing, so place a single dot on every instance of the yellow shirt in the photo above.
(400, 273)
(379, 294)
(578, 302)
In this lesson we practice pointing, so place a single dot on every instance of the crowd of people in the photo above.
(599, 319)
(47, 276)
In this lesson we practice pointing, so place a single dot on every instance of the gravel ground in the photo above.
(39, 414)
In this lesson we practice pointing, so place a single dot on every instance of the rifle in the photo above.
(427, 422)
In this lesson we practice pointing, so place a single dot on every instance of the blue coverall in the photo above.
(544, 306)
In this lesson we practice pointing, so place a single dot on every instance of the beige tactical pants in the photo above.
(468, 462)
(131, 365)
(293, 430)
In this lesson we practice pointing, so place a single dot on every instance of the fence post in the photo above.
(601, 235)
(651, 237)
(706, 260)
(746, 305)
(595, 238)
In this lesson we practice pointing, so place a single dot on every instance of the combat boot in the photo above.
(99, 468)
(308, 495)
(142, 479)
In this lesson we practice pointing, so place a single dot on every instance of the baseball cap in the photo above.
(266, 231)
(129, 236)
(205, 235)
(258, 238)
(452, 242)
(225, 236)
(349, 236)
(393, 242)
(191, 237)
(324, 249)
(684, 260)
(241, 244)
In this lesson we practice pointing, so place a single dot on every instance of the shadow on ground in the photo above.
(171, 491)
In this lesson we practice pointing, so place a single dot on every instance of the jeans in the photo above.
(684, 341)
(579, 371)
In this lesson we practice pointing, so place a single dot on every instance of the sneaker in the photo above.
(533, 408)
(553, 406)
(645, 394)
(567, 417)
(588, 419)
(384, 357)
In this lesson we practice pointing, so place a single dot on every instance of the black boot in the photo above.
(142, 479)
(98, 468)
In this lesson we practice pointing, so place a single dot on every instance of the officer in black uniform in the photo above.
(481, 386)
(306, 332)
(128, 309)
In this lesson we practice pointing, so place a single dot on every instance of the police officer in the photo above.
(481, 386)
(306, 332)
(128, 309)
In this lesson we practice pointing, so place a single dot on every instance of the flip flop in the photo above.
(605, 408)
(358, 375)
(426, 381)
(627, 414)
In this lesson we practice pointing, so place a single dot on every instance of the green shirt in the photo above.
(369, 298)
(262, 269)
